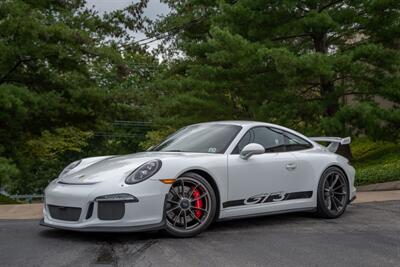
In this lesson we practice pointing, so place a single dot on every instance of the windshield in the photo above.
(202, 138)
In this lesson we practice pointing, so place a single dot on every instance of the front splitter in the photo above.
(122, 229)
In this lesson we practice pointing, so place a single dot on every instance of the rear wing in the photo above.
(334, 142)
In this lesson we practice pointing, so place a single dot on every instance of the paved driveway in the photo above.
(367, 235)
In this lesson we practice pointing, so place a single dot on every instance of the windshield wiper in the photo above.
(172, 150)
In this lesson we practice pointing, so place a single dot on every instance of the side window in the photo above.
(272, 140)
(294, 142)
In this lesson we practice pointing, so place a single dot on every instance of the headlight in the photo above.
(69, 168)
(144, 172)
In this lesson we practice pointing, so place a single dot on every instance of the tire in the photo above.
(333, 193)
(191, 206)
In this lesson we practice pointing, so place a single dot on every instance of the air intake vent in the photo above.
(64, 213)
(90, 211)
(113, 210)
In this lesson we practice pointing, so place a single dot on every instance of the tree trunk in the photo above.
(326, 86)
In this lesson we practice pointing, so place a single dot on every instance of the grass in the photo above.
(375, 162)
(7, 200)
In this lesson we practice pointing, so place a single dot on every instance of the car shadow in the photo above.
(219, 226)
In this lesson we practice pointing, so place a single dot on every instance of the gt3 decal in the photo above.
(267, 198)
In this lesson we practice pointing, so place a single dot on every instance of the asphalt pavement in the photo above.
(368, 234)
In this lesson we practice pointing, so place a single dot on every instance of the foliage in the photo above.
(66, 74)
(155, 137)
(74, 83)
(63, 140)
(8, 170)
(7, 200)
(287, 62)
(376, 162)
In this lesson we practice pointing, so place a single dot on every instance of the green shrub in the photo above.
(376, 162)
(6, 200)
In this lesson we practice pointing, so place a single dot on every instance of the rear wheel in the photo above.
(333, 193)
(191, 206)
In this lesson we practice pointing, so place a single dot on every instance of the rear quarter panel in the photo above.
(315, 161)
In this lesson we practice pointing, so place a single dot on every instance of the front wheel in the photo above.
(191, 206)
(333, 193)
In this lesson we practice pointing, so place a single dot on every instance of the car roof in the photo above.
(240, 123)
(249, 124)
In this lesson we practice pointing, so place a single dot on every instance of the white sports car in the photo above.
(202, 173)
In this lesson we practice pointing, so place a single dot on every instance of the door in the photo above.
(263, 182)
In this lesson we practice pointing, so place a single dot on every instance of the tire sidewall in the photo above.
(213, 204)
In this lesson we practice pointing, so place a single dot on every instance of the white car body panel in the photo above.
(236, 179)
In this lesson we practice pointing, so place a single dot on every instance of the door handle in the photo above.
(291, 166)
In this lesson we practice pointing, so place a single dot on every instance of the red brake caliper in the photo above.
(198, 203)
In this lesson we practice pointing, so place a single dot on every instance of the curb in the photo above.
(389, 186)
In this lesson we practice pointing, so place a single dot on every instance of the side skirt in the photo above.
(268, 213)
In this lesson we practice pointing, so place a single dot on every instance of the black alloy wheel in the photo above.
(191, 206)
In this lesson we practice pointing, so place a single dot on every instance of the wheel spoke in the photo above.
(339, 193)
(182, 188)
(174, 208)
(191, 192)
(200, 197)
(335, 181)
(335, 199)
(338, 187)
(333, 202)
(329, 203)
(196, 208)
(178, 216)
(173, 202)
(194, 216)
(184, 219)
(172, 190)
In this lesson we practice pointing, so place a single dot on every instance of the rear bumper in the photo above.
(353, 192)
(352, 199)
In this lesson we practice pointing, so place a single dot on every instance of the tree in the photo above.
(288, 62)
(66, 73)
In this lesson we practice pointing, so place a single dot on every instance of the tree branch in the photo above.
(290, 37)
(329, 5)
(16, 65)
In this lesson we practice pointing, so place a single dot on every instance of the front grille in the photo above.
(64, 213)
(110, 210)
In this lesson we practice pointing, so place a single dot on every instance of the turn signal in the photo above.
(168, 181)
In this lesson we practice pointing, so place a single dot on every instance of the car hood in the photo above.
(116, 168)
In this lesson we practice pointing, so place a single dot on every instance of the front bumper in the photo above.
(145, 214)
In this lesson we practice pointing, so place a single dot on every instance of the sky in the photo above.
(154, 8)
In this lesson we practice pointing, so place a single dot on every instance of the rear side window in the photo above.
(294, 142)
(271, 139)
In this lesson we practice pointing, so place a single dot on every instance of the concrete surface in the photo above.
(376, 196)
(380, 187)
(21, 211)
(368, 234)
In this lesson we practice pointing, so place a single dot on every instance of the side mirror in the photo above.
(251, 149)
